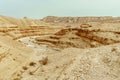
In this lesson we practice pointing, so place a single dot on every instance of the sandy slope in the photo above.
(24, 22)
(12, 56)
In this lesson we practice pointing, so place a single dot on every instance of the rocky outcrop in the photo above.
(81, 38)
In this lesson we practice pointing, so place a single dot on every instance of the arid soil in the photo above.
(60, 48)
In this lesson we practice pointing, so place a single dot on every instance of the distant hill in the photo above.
(10, 22)
(80, 19)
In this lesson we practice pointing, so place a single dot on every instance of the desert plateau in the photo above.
(60, 48)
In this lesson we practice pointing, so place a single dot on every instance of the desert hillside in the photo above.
(24, 22)
(60, 48)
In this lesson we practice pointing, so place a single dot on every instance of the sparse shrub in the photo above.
(31, 73)
(32, 63)
(44, 60)
(113, 49)
(25, 68)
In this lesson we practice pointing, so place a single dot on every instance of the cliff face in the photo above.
(53, 19)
